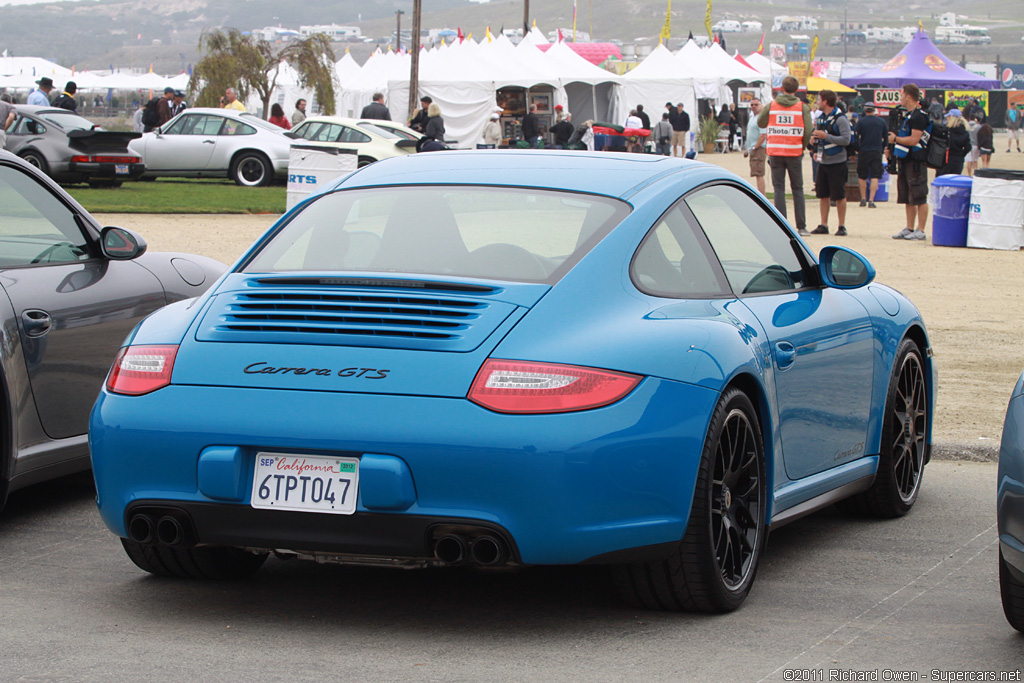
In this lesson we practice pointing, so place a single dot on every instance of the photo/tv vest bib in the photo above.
(785, 130)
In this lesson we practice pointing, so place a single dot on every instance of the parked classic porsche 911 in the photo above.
(517, 358)
(72, 290)
(207, 142)
(72, 149)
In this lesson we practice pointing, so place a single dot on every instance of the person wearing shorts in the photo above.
(870, 132)
(756, 149)
(912, 175)
(831, 136)
(680, 121)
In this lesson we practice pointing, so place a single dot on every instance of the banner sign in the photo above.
(1012, 76)
(983, 70)
(799, 71)
(961, 98)
(1015, 100)
(887, 98)
(778, 53)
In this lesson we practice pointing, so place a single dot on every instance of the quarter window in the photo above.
(35, 227)
(757, 254)
(675, 261)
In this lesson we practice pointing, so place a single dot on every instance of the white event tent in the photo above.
(659, 79)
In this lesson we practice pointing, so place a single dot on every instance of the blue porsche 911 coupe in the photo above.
(1010, 510)
(517, 358)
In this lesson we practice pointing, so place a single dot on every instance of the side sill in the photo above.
(824, 500)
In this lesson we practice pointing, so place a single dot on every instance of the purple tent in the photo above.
(921, 63)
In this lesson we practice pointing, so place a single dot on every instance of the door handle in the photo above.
(785, 354)
(209, 142)
(36, 322)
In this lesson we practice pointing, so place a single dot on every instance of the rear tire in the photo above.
(1012, 592)
(193, 563)
(904, 447)
(36, 159)
(365, 161)
(714, 565)
(252, 169)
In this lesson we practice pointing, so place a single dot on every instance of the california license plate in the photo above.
(305, 483)
(121, 169)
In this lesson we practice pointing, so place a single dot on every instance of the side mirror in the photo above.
(119, 244)
(844, 268)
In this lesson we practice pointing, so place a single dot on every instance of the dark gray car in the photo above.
(71, 293)
(72, 149)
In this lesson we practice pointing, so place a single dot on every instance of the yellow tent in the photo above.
(815, 84)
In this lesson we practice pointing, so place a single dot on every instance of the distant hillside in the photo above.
(93, 34)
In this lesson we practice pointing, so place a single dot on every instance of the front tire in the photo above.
(714, 565)
(1012, 592)
(904, 440)
(193, 563)
(252, 169)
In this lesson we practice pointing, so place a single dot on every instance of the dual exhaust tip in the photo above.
(485, 551)
(159, 528)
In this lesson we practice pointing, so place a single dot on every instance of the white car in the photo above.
(211, 143)
(372, 139)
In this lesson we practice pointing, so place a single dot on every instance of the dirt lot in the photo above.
(972, 299)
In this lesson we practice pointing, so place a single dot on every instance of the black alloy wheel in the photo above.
(713, 567)
(251, 169)
(904, 445)
(37, 160)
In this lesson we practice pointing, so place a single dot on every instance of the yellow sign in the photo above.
(799, 71)
(707, 20)
(814, 48)
(962, 97)
(666, 30)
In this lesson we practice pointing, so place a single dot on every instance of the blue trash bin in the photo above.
(951, 202)
(882, 195)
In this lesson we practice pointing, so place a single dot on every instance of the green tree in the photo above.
(250, 65)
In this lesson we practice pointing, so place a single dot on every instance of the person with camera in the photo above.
(910, 148)
(831, 137)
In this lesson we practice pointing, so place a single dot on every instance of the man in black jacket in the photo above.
(66, 100)
(871, 132)
(376, 109)
(419, 122)
(531, 127)
(680, 121)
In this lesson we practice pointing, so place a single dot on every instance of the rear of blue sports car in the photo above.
(1010, 509)
(387, 378)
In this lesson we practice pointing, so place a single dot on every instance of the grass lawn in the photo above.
(181, 195)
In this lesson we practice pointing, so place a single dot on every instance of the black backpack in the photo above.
(151, 113)
(938, 145)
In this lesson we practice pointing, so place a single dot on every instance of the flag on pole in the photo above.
(707, 20)
(717, 35)
(461, 37)
(560, 37)
(760, 46)
(488, 34)
(690, 37)
(666, 30)
(814, 48)
(574, 21)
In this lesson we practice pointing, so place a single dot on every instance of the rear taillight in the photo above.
(102, 159)
(141, 369)
(508, 386)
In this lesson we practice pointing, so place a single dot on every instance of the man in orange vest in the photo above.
(788, 129)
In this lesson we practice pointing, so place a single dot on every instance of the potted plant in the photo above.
(708, 132)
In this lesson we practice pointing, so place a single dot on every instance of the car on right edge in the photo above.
(1010, 509)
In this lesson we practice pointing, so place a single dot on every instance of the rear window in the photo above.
(522, 235)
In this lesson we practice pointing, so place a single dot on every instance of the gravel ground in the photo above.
(971, 299)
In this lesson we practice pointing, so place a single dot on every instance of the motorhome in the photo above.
(726, 26)
(752, 26)
(789, 24)
(962, 35)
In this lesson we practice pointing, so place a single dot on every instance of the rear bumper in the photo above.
(1010, 492)
(105, 171)
(561, 489)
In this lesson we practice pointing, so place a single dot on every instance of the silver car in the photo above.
(216, 143)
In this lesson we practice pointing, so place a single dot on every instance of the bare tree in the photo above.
(251, 65)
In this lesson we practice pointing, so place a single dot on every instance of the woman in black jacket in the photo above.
(986, 145)
(728, 119)
(433, 132)
(959, 145)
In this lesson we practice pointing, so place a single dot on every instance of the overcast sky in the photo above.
(22, 2)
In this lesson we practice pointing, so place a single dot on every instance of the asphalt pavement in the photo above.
(836, 598)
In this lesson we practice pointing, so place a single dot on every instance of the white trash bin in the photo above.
(996, 219)
(312, 168)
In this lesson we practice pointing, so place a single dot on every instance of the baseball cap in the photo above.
(954, 112)
(168, 90)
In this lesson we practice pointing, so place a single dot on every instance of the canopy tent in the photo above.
(921, 63)
(595, 53)
(590, 91)
(660, 78)
(766, 67)
(535, 37)
(23, 72)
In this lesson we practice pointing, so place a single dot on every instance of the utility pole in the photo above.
(846, 34)
(398, 31)
(526, 17)
(414, 70)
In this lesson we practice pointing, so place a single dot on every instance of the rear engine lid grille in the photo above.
(437, 321)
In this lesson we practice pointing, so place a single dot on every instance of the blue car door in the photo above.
(821, 339)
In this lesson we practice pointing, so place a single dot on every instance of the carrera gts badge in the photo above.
(262, 368)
